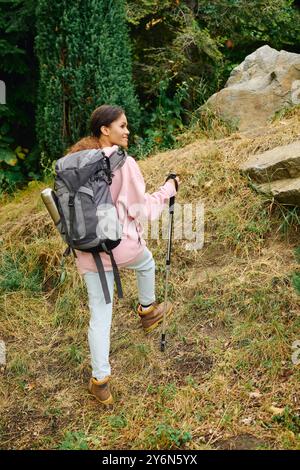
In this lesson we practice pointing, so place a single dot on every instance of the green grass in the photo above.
(14, 276)
(296, 281)
(74, 441)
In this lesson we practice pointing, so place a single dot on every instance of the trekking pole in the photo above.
(168, 260)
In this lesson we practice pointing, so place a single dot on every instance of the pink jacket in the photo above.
(133, 206)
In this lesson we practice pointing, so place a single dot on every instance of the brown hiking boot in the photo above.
(153, 315)
(101, 391)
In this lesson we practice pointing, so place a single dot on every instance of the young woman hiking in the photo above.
(109, 130)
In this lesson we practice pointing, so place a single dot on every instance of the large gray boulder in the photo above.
(267, 81)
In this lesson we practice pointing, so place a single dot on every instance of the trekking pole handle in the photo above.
(172, 199)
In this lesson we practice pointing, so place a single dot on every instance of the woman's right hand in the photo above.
(171, 178)
(178, 181)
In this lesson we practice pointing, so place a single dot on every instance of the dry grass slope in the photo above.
(226, 379)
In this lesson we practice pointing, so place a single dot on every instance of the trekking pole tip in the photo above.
(163, 343)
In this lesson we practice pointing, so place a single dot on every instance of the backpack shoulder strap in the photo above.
(116, 275)
(117, 159)
(101, 272)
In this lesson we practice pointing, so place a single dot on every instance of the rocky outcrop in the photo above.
(286, 191)
(278, 172)
(267, 81)
(278, 163)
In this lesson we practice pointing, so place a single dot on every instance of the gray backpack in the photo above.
(88, 217)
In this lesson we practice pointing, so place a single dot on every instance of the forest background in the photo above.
(160, 60)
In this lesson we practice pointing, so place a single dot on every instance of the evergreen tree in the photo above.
(18, 66)
(18, 72)
(84, 59)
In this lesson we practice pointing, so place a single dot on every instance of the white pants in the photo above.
(101, 312)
